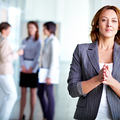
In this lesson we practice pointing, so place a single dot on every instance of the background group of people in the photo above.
(94, 75)
(29, 69)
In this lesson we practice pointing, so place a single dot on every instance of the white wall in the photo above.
(95, 5)
(111, 2)
(73, 16)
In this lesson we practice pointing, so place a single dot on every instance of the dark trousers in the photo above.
(48, 105)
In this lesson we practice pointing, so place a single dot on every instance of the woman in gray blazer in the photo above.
(94, 74)
(50, 60)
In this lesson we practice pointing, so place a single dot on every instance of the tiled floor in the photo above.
(65, 105)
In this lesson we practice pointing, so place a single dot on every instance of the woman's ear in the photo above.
(3, 31)
(97, 26)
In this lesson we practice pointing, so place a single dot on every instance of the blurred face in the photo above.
(32, 29)
(6, 32)
(45, 31)
(108, 24)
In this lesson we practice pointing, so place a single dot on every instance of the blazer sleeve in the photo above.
(75, 77)
(22, 56)
(54, 58)
(6, 53)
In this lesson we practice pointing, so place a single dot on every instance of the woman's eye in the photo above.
(104, 20)
(114, 21)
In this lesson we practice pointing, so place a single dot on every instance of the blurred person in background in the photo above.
(7, 86)
(29, 67)
(50, 60)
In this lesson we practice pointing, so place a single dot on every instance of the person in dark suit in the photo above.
(94, 74)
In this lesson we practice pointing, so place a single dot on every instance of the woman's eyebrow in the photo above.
(114, 18)
(107, 17)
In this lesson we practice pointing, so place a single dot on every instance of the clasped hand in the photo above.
(106, 76)
(24, 70)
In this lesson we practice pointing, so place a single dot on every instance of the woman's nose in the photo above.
(109, 23)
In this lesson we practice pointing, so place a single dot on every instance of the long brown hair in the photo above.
(95, 31)
(37, 32)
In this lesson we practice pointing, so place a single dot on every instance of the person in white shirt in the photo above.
(50, 60)
(7, 85)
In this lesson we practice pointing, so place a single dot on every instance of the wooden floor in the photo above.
(64, 104)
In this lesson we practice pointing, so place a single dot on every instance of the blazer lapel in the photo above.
(116, 58)
(93, 55)
(112, 98)
(47, 43)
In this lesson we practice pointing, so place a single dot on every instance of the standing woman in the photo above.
(7, 85)
(29, 67)
(50, 60)
(95, 70)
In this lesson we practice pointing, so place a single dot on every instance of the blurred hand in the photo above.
(24, 69)
(48, 81)
(30, 70)
(20, 52)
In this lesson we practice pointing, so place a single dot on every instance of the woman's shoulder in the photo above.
(39, 42)
(24, 40)
(84, 45)
(55, 40)
(5, 44)
(2, 39)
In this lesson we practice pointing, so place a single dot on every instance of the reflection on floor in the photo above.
(65, 105)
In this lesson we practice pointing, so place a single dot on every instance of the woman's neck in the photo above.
(32, 36)
(49, 35)
(107, 43)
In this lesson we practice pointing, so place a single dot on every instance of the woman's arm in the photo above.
(54, 62)
(115, 87)
(21, 57)
(24, 70)
(89, 85)
(75, 82)
(55, 50)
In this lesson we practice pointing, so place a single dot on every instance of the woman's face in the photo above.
(6, 32)
(108, 24)
(45, 31)
(32, 29)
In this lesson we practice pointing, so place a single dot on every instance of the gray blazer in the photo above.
(50, 55)
(85, 65)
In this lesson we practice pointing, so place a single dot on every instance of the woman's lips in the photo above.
(108, 30)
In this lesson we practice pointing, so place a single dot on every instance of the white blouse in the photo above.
(104, 110)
